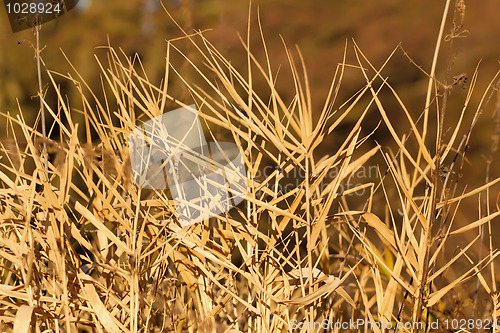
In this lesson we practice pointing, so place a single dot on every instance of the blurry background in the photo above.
(319, 28)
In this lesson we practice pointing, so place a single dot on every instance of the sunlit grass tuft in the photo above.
(118, 260)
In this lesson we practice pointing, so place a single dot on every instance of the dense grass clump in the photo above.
(327, 233)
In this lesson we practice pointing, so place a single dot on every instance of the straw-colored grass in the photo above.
(84, 249)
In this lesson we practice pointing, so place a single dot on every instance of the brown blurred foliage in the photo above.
(319, 28)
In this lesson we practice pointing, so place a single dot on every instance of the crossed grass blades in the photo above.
(119, 262)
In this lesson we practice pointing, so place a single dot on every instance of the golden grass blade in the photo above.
(436, 296)
(105, 318)
(23, 319)
(475, 224)
(101, 227)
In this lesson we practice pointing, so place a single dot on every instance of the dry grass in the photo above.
(83, 248)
